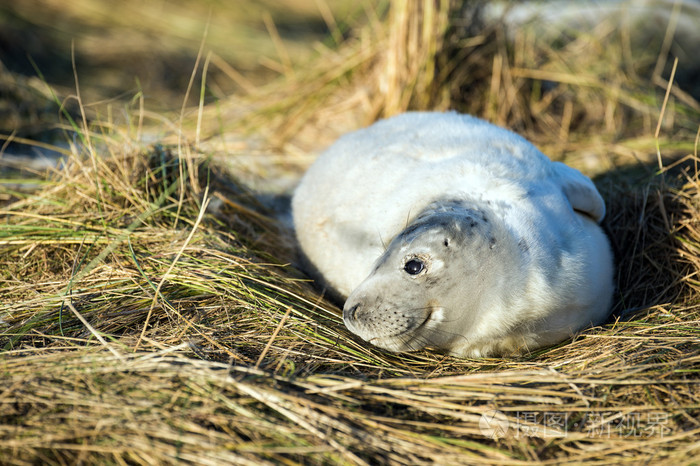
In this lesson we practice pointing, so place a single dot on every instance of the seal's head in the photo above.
(433, 282)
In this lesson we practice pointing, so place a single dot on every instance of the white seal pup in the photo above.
(445, 231)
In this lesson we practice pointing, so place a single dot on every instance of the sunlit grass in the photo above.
(151, 311)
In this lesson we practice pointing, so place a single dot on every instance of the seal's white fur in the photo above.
(551, 260)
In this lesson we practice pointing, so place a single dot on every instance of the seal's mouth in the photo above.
(398, 341)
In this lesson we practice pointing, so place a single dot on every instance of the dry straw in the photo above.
(143, 324)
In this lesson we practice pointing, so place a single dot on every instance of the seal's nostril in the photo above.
(350, 312)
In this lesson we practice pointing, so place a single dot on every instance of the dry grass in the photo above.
(147, 48)
(149, 315)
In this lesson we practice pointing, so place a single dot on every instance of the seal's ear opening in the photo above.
(446, 242)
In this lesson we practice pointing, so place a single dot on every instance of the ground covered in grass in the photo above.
(151, 312)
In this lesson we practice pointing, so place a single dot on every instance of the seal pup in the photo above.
(442, 230)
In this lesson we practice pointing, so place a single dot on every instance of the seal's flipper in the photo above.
(580, 191)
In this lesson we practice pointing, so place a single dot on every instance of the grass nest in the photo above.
(150, 314)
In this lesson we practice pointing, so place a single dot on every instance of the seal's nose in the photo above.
(349, 312)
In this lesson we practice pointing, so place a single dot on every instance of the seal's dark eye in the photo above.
(413, 267)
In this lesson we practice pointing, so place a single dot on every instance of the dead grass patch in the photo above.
(143, 323)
